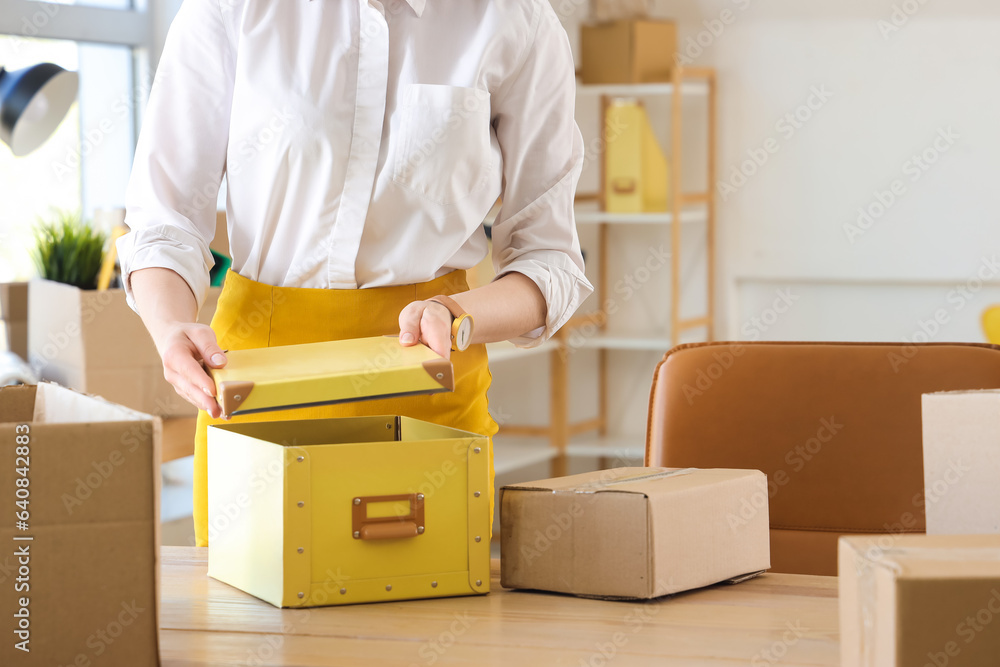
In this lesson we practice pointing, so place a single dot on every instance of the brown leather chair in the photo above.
(835, 426)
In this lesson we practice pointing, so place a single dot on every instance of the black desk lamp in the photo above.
(33, 101)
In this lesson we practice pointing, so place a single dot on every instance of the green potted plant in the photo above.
(69, 250)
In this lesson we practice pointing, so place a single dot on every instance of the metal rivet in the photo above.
(440, 376)
(388, 587)
(300, 459)
(434, 584)
(420, 530)
(301, 594)
(301, 504)
(476, 450)
(420, 496)
(343, 591)
(357, 501)
(237, 397)
(476, 494)
(478, 538)
(300, 550)
(479, 582)
(357, 534)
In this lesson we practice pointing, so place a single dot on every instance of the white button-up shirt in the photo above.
(363, 144)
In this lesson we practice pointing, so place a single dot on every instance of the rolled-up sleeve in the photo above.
(535, 231)
(181, 153)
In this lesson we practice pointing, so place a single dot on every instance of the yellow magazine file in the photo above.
(636, 172)
(273, 378)
(341, 511)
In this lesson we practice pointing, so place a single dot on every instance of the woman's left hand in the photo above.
(428, 322)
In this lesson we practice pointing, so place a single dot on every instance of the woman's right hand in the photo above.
(169, 310)
(182, 348)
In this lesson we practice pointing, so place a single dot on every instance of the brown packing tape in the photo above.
(589, 487)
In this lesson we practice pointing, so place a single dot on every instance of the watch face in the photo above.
(464, 334)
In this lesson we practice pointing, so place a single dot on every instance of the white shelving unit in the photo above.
(561, 439)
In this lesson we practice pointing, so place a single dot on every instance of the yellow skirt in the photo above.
(251, 315)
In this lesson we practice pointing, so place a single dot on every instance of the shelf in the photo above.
(619, 448)
(511, 453)
(640, 89)
(590, 215)
(497, 352)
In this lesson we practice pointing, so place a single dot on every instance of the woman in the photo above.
(363, 144)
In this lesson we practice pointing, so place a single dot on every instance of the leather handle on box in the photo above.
(387, 531)
(364, 527)
(623, 186)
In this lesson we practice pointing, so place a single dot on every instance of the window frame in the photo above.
(132, 27)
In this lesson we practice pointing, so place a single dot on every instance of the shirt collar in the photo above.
(417, 5)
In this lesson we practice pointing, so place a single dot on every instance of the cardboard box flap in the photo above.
(59, 405)
(617, 479)
(646, 481)
(964, 392)
(18, 404)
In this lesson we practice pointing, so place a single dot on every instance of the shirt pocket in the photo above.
(444, 149)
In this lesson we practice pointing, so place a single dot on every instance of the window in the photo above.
(84, 166)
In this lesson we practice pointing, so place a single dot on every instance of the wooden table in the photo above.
(776, 619)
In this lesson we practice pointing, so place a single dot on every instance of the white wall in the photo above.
(893, 92)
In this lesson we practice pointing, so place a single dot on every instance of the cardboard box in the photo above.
(634, 532)
(916, 600)
(14, 313)
(178, 437)
(640, 51)
(80, 578)
(962, 462)
(93, 342)
(341, 511)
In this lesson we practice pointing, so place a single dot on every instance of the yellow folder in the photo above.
(274, 378)
(636, 171)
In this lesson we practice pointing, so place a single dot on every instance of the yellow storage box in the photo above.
(341, 511)
(285, 376)
(636, 171)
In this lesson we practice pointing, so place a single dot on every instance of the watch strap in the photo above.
(449, 303)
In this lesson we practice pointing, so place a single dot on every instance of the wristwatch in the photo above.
(461, 323)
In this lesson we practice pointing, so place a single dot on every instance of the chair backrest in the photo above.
(835, 426)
